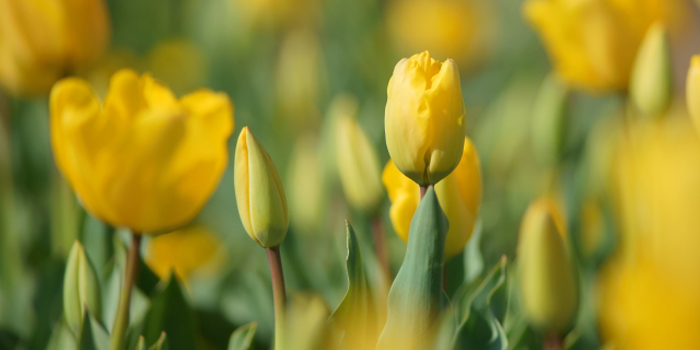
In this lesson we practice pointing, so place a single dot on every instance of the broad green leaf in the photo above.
(355, 317)
(170, 313)
(416, 298)
(473, 260)
(61, 338)
(242, 338)
(93, 336)
(162, 343)
(483, 313)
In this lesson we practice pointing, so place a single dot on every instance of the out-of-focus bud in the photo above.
(81, 288)
(550, 122)
(548, 285)
(692, 93)
(41, 41)
(651, 87)
(307, 324)
(307, 185)
(179, 64)
(425, 118)
(459, 195)
(262, 203)
(358, 162)
(185, 251)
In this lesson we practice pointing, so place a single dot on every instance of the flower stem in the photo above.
(380, 245)
(423, 189)
(121, 320)
(279, 294)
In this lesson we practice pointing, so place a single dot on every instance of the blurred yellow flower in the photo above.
(425, 118)
(262, 203)
(648, 291)
(179, 64)
(185, 251)
(459, 195)
(142, 159)
(548, 287)
(357, 159)
(692, 92)
(307, 186)
(593, 43)
(42, 41)
(447, 28)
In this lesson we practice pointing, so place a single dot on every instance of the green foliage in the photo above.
(92, 336)
(242, 338)
(171, 313)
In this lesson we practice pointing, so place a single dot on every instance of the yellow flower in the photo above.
(692, 93)
(593, 43)
(459, 195)
(447, 28)
(357, 159)
(142, 159)
(548, 287)
(425, 118)
(41, 41)
(184, 252)
(260, 196)
(649, 289)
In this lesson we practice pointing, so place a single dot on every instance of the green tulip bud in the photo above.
(549, 124)
(651, 85)
(548, 288)
(80, 288)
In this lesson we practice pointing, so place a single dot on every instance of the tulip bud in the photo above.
(307, 186)
(358, 163)
(548, 288)
(549, 123)
(425, 118)
(651, 87)
(260, 196)
(692, 93)
(80, 288)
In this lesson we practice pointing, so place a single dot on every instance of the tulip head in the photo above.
(81, 289)
(262, 203)
(459, 195)
(358, 162)
(547, 282)
(186, 251)
(143, 159)
(425, 118)
(692, 93)
(651, 87)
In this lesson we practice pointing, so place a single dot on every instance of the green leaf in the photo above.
(355, 316)
(141, 345)
(416, 298)
(170, 313)
(483, 313)
(93, 336)
(162, 343)
(242, 338)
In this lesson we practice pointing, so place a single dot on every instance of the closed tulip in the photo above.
(459, 195)
(548, 286)
(41, 41)
(358, 162)
(692, 93)
(262, 203)
(184, 252)
(81, 289)
(425, 118)
(143, 159)
(593, 44)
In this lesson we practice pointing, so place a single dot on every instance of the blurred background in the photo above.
(289, 66)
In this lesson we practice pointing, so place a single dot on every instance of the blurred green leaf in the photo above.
(93, 336)
(141, 345)
(242, 338)
(171, 313)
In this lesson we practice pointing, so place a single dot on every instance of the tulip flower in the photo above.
(651, 87)
(459, 195)
(143, 159)
(425, 118)
(593, 44)
(692, 93)
(358, 162)
(41, 41)
(183, 252)
(262, 203)
(81, 289)
(548, 285)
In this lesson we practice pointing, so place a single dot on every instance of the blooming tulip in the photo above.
(40, 41)
(459, 195)
(692, 92)
(143, 159)
(260, 196)
(425, 118)
(183, 252)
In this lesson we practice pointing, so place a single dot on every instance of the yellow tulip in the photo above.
(143, 159)
(425, 118)
(651, 84)
(357, 159)
(185, 251)
(548, 287)
(648, 290)
(459, 195)
(692, 93)
(593, 43)
(41, 41)
(260, 196)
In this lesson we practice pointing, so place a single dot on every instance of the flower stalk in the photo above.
(121, 320)
(279, 294)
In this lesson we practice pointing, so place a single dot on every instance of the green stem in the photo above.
(380, 246)
(121, 320)
(279, 294)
